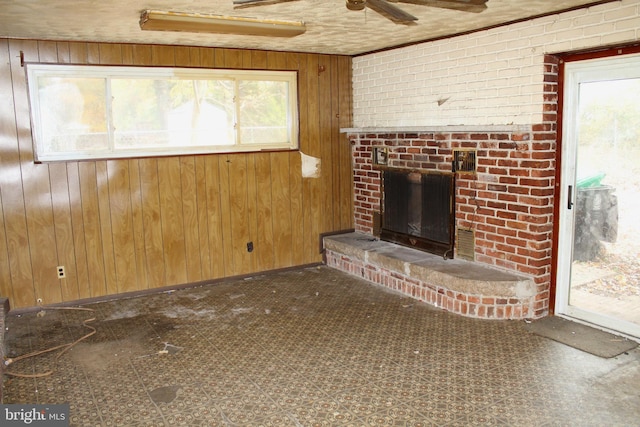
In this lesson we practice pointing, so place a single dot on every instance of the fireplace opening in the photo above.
(418, 210)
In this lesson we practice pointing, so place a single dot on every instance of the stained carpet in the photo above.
(311, 347)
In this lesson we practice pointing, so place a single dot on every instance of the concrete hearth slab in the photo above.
(398, 258)
(472, 278)
(353, 245)
(458, 275)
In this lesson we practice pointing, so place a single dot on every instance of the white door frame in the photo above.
(575, 73)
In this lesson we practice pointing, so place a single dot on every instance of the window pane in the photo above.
(102, 112)
(72, 114)
(215, 111)
(150, 113)
(263, 111)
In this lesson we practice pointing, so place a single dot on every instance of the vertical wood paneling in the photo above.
(36, 187)
(78, 53)
(217, 201)
(142, 55)
(127, 54)
(47, 51)
(190, 218)
(225, 252)
(239, 214)
(264, 255)
(207, 57)
(122, 223)
(182, 56)
(93, 53)
(128, 225)
(345, 115)
(232, 58)
(80, 250)
(162, 56)
(203, 217)
(194, 55)
(110, 53)
(63, 227)
(259, 59)
(281, 209)
(299, 62)
(91, 221)
(334, 146)
(17, 274)
(246, 59)
(152, 223)
(251, 218)
(311, 187)
(64, 54)
(137, 216)
(106, 231)
(169, 185)
(325, 131)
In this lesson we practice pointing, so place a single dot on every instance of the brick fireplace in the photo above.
(506, 205)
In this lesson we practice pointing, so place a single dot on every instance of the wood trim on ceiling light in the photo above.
(156, 20)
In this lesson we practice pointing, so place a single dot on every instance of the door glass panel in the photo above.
(605, 271)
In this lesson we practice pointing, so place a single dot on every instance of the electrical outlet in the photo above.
(61, 272)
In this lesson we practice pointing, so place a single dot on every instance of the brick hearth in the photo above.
(458, 286)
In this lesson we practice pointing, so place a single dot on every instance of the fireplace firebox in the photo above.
(418, 210)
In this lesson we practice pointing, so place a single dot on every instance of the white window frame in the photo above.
(35, 71)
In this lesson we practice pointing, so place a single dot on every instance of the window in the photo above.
(97, 112)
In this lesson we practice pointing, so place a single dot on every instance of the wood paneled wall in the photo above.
(136, 224)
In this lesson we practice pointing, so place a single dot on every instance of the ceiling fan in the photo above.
(386, 8)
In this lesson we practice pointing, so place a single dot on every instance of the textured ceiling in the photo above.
(331, 28)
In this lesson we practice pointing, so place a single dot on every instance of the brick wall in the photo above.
(494, 91)
(508, 202)
(489, 77)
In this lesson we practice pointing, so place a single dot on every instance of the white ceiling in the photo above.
(331, 28)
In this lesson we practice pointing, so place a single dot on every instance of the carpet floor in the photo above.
(311, 347)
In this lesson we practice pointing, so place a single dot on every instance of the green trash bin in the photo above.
(591, 181)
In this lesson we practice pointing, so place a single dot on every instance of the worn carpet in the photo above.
(308, 347)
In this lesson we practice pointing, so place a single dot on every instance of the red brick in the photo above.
(520, 137)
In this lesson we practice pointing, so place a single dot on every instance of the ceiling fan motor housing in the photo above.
(355, 4)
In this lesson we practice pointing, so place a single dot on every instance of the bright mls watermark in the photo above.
(34, 415)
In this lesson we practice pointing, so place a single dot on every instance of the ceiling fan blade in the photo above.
(239, 4)
(473, 6)
(392, 12)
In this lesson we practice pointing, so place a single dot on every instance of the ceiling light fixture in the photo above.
(155, 20)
